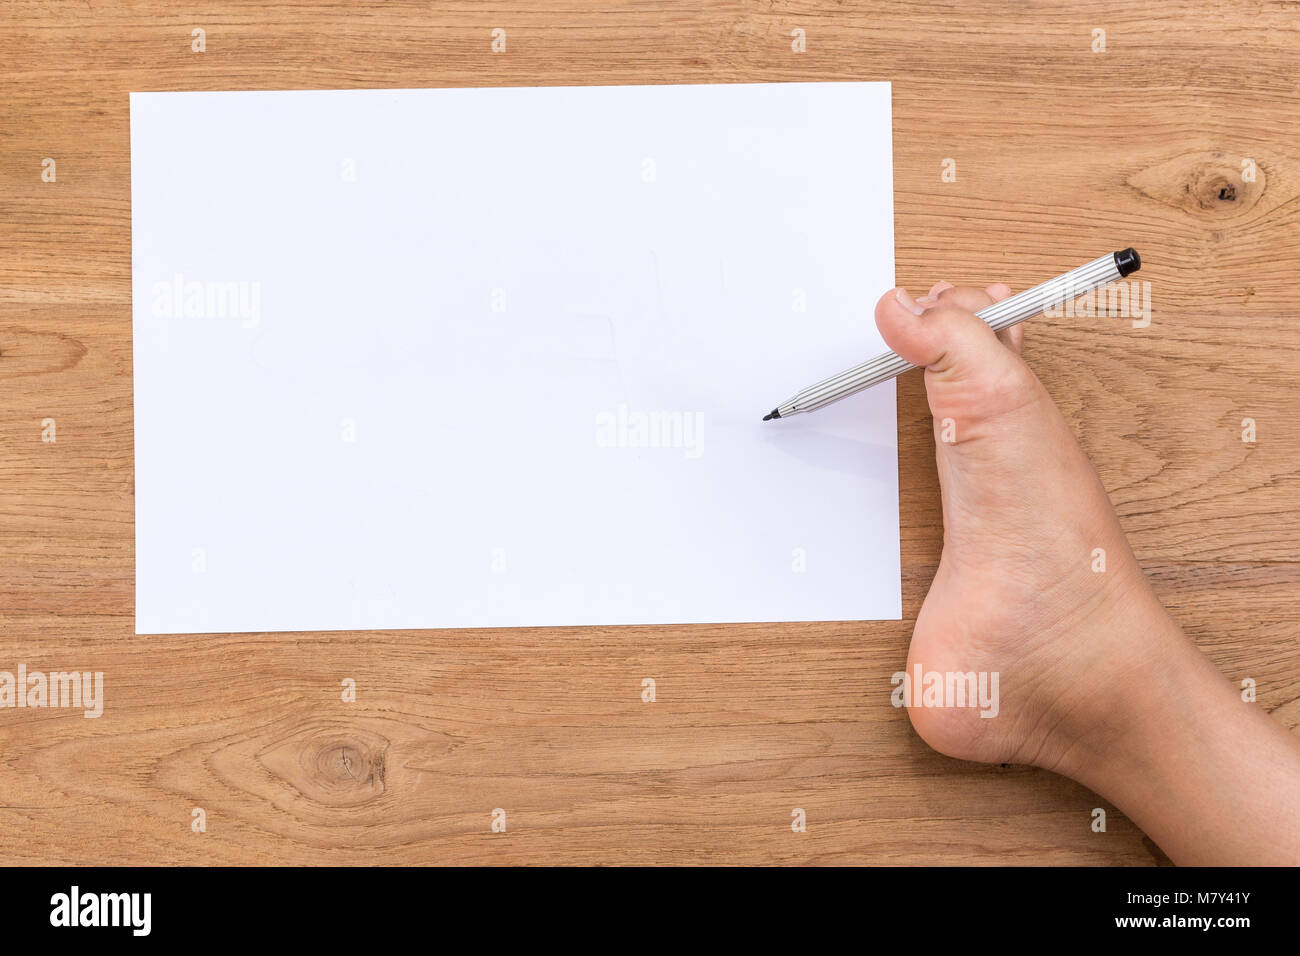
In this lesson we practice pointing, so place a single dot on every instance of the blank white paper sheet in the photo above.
(499, 357)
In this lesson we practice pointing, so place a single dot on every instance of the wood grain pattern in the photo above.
(1060, 152)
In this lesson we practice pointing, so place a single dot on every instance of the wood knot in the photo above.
(1204, 184)
(26, 352)
(348, 764)
(339, 768)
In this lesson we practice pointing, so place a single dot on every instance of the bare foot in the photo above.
(1037, 583)
(1028, 530)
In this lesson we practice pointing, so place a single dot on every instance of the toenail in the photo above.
(906, 302)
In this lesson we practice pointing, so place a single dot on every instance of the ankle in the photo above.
(1131, 663)
(1147, 675)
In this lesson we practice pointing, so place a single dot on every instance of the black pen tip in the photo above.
(771, 415)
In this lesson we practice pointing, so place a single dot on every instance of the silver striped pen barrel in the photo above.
(998, 316)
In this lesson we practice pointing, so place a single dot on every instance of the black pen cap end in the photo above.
(1127, 261)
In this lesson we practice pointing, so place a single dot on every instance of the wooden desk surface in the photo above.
(1060, 152)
